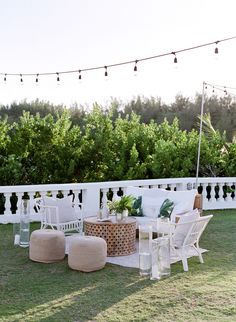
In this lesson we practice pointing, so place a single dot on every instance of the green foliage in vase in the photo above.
(118, 206)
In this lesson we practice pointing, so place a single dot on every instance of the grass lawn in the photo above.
(32, 291)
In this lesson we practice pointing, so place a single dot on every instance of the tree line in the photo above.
(221, 109)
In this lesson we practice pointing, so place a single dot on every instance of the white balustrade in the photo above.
(91, 194)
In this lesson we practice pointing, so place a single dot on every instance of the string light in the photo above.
(106, 73)
(21, 79)
(37, 79)
(175, 59)
(125, 62)
(5, 78)
(135, 66)
(80, 76)
(58, 78)
(223, 89)
(216, 49)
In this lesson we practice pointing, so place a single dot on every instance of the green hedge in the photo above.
(52, 150)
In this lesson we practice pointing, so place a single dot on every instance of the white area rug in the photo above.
(133, 260)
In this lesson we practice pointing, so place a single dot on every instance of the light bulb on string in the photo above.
(225, 91)
(175, 59)
(135, 68)
(213, 90)
(80, 77)
(58, 79)
(5, 79)
(21, 79)
(216, 49)
(106, 74)
(37, 80)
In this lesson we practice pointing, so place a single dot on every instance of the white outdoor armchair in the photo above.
(60, 214)
(186, 235)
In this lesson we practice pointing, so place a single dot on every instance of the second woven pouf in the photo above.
(47, 246)
(87, 253)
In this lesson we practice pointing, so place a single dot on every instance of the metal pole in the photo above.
(200, 133)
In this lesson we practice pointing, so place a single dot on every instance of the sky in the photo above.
(60, 35)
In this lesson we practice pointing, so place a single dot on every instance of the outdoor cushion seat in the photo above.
(87, 253)
(47, 246)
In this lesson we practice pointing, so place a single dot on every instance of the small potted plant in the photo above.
(121, 207)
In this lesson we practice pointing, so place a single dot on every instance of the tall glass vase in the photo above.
(24, 223)
(16, 233)
(145, 249)
(160, 258)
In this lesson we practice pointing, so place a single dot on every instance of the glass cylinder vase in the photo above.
(24, 223)
(145, 249)
(16, 233)
(160, 258)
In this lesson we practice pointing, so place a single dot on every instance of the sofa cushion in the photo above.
(151, 206)
(183, 201)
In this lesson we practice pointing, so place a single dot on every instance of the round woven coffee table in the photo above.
(119, 235)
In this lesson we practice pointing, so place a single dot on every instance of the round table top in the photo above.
(110, 221)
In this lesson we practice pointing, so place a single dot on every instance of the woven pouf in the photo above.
(47, 246)
(87, 253)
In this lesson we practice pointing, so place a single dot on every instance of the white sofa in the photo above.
(153, 198)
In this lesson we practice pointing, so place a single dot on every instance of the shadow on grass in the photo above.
(33, 291)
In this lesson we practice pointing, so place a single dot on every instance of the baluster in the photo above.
(104, 196)
(179, 186)
(31, 202)
(19, 200)
(115, 195)
(54, 194)
(213, 193)
(204, 193)
(172, 186)
(7, 203)
(154, 186)
(234, 198)
(228, 194)
(43, 193)
(76, 197)
(221, 192)
(65, 193)
(163, 186)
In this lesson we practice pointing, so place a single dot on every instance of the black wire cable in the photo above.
(121, 63)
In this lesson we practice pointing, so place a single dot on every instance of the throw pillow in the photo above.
(166, 208)
(137, 207)
(151, 206)
(183, 201)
